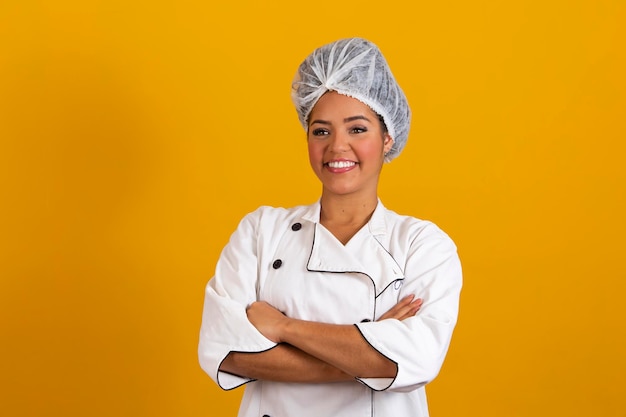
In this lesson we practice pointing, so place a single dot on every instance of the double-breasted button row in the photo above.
(278, 262)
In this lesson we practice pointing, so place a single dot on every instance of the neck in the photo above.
(347, 210)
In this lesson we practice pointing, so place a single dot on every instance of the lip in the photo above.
(340, 165)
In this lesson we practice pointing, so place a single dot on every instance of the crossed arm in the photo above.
(314, 352)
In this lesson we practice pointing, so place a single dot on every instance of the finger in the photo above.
(413, 308)
(406, 299)
(403, 303)
(403, 311)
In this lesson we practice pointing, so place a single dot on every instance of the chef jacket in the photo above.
(288, 259)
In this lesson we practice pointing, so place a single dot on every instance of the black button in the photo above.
(365, 320)
(266, 415)
(296, 226)
(277, 264)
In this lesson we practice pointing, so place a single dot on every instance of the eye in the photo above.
(358, 129)
(319, 132)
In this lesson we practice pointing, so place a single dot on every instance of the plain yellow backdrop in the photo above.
(134, 135)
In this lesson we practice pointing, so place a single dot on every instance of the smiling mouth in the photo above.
(340, 164)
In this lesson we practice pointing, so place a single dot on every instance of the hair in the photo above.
(354, 67)
(383, 126)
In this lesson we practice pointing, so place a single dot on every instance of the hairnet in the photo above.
(356, 68)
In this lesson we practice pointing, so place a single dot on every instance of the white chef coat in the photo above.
(288, 259)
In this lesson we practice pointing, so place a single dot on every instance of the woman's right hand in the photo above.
(407, 307)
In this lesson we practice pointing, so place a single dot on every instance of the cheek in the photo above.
(315, 153)
(372, 150)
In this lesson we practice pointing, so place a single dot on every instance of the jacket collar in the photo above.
(376, 224)
(373, 259)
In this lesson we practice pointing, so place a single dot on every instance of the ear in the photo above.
(387, 143)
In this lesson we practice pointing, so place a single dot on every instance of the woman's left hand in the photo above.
(407, 307)
(267, 320)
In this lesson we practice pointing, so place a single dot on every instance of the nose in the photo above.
(340, 142)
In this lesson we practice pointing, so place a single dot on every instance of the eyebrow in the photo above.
(346, 120)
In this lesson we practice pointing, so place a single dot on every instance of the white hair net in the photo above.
(356, 68)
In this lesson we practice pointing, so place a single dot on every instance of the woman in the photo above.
(340, 308)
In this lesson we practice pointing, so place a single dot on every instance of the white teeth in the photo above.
(341, 164)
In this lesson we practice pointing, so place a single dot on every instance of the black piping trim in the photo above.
(394, 260)
(340, 272)
(357, 272)
(239, 376)
(397, 367)
(392, 282)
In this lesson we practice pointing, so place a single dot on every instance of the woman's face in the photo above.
(346, 145)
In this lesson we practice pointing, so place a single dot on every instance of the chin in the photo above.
(341, 190)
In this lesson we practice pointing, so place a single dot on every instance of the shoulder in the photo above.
(271, 217)
(416, 231)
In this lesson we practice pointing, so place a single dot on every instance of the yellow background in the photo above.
(135, 134)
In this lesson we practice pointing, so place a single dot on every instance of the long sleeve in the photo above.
(225, 326)
(419, 344)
